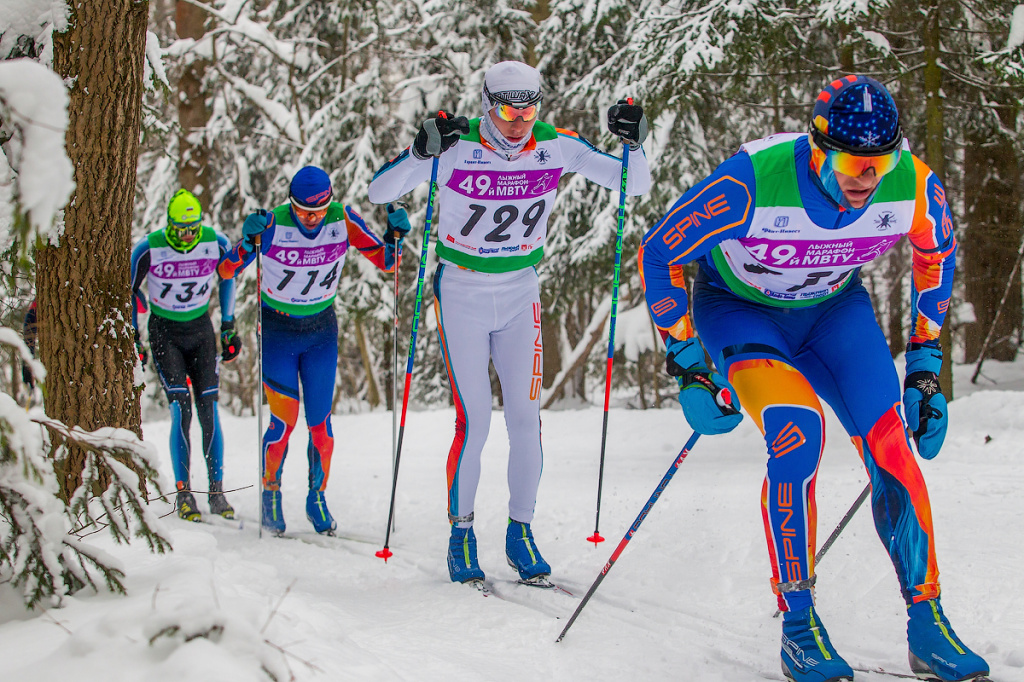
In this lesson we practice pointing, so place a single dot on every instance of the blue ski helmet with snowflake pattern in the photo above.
(858, 113)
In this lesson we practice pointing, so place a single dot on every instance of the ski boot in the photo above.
(318, 514)
(187, 508)
(522, 553)
(462, 564)
(218, 503)
(807, 653)
(272, 519)
(936, 653)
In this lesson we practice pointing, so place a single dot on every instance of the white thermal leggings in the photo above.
(480, 317)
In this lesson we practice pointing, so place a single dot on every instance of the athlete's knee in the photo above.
(321, 437)
(208, 396)
(206, 407)
(278, 431)
(180, 402)
(521, 419)
(473, 423)
(888, 449)
(795, 438)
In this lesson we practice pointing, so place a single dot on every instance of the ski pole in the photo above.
(394, 377)
(839, 529)
(596, 537)
(259, 361)
(386, 553)
(665, 480)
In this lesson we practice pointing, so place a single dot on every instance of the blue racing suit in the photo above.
(779, 306)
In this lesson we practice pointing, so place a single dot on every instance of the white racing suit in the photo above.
(492, 227)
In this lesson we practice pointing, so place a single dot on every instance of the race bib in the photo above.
(301, 274)
(502, 208)
(180, 284)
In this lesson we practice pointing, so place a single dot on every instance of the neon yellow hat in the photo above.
(184, 216)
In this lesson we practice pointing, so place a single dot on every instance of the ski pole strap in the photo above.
(794, 586)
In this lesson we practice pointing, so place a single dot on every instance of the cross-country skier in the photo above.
(179, 265)
(779, 232)
(497, 187)
(304, 243)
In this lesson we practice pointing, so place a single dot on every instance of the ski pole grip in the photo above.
(723, 398)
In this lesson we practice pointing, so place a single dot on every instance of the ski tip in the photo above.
(385, 554)
(595, 538)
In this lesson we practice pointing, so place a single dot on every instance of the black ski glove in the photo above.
(628, 121)
(230, 342)
(437, 135)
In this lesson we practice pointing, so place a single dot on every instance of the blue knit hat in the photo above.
(311, 188)
(858, 113)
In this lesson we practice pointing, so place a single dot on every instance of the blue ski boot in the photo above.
(936, 653)
(462, 563)
(807, 653)
(522, 553)
(318, 514)
(272, 518)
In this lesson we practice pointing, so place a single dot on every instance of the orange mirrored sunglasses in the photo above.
(507, 112)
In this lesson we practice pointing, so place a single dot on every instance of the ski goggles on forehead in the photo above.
(509, 112)
(300, 207)
(856, 161)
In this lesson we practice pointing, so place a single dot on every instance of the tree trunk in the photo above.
(193, 110)
(372, 390)
(990, 244)
(935, 146)
(82, 283)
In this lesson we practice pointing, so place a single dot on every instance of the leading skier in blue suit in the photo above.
(779, 232)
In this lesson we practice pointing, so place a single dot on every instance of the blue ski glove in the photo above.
(923, 402)
(255, 225)
(708, 400)
(398, 224)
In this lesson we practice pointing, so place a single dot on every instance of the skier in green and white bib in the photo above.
(496, 189)
(178, 263)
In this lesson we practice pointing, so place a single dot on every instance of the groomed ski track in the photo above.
(688, 599)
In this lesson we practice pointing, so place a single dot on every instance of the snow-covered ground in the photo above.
(689, 599)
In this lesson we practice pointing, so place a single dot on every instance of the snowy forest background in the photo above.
(240, 94)
(228, 98)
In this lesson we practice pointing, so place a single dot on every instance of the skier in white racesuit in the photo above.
(496, 189)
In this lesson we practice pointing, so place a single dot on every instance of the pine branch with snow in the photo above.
(113, 491)
(37, 554)
(41, 552)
